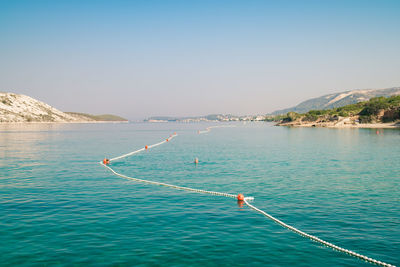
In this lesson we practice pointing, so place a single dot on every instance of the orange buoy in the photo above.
(106, 161)
(146, 147)
(196, 160)
(174, 133)
(167, 140)
(240, 197)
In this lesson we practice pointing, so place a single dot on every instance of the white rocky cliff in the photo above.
(22, 108)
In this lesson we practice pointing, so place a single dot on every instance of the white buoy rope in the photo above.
(245, 199)
(159, 183)
(142, 149)
(208, 129)
(316, 239)
(171, 185)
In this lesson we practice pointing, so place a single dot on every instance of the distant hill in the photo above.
(103, 117)
(211, 117)
(22, 108)
(339, 100)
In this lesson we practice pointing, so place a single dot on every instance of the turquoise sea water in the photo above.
(59, 207)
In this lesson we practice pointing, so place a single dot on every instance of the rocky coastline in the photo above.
(18, 108)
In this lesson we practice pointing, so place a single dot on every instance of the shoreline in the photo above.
(343, 126)
(58, 122)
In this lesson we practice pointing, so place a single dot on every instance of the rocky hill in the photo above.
(22, 108)
(378, 111)
(339, 100)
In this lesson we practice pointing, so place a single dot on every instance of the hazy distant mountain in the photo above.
(211, 117)
(22, 108)
(339, 100)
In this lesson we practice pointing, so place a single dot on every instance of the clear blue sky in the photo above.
(144, 58)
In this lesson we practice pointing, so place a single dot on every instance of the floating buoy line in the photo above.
(208, 129)
(240, 197)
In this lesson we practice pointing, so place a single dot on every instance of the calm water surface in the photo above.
(59, 207)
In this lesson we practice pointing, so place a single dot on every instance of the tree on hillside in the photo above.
(292, 116)
(374, 105)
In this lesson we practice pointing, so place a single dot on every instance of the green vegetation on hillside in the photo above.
(274, 117)
(377, 109)
(104, 117)
(337, 100)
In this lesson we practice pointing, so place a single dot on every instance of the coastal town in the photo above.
(209, 118)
